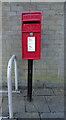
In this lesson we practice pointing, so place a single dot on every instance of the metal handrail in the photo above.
(9, 70)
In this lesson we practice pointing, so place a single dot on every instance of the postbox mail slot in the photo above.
(29, 22)
(33, 26)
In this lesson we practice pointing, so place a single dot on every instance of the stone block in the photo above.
(16, 8)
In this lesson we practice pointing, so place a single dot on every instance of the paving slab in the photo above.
(52, 115)
(24, 92)
(0, 101)
(44, 91)
(1, 111)
(5, 107)
(58, 92)
(39, 92)
(37, 105)
(30, 106)
(7, 119)
(4, 95)
(55, 103)
(45, 102)
(40, 104)
(28, 115)
(18, 104)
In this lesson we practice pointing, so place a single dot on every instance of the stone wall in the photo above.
(50, 68)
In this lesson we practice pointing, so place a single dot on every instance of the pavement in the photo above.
(46, 103)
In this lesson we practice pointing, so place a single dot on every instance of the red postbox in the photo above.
(31, 35)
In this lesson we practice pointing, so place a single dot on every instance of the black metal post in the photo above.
(30, 70)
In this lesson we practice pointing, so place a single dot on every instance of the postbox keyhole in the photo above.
(31, 34)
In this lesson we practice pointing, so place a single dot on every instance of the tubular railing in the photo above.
(9, 71)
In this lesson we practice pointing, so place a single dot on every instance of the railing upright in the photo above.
(9, 70)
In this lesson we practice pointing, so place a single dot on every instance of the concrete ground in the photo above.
(46, 103)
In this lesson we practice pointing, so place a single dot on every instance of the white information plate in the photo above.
(31, 44)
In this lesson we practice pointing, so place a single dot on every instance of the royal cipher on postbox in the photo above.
(31, 35)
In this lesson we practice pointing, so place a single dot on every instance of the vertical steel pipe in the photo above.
(30, 70)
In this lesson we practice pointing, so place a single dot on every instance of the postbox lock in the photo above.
(31, 33)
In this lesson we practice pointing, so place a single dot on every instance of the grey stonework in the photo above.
(50, 68)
